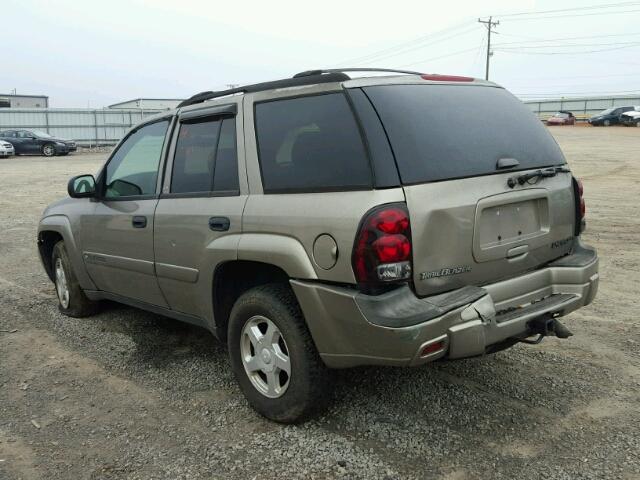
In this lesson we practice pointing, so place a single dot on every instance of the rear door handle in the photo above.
(219, 224)
(139, 221)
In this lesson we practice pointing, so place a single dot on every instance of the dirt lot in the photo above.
(128, 394)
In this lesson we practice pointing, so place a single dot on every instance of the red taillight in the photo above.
(578, 191)
(446, 78)
(382, 250)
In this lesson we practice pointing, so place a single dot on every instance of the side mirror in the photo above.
(82, 186)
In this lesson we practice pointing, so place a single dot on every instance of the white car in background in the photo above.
(6, 149)
(631, 118)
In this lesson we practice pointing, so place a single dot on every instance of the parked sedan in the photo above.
(562, 118)
(6, 149)
(37, 142)
(610, 116)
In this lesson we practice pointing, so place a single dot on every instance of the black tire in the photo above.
(78, 304)
(309, 387)
(49, 150)
(607, 123)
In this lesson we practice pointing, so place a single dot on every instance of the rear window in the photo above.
(310, 144)
(441, 132)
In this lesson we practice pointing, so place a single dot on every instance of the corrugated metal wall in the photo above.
(581, 107)
(86, 126)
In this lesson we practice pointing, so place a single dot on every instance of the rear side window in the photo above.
(310, 144)
(205, 159)
(441, 132)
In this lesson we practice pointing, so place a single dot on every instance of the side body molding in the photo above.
(60, 224)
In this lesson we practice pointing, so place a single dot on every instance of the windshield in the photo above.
(607, 111)
(38, 133)
(440, 132)
(561, 115)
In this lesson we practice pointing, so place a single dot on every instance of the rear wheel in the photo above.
(48, 150)
(273, 355)
(607, 123)
(71, 299)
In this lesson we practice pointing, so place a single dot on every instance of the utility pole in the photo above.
(489, 23)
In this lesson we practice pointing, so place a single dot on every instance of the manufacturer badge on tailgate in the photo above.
(445, 272)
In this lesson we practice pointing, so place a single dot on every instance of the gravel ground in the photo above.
(128, 394)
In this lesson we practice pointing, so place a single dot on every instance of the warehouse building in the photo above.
(148, 103)
(8, 100)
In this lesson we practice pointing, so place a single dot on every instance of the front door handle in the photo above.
(139, 221)
(219, 224)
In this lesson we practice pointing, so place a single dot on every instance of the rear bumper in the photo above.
(351, 329)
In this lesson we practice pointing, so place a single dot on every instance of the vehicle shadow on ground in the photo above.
(497, 388)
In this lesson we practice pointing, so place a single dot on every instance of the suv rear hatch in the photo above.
(468, 226)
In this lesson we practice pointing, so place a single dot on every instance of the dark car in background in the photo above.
(610, 116)
(35, 142)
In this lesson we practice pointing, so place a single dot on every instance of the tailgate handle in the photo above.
(504, 163)
(517, 251)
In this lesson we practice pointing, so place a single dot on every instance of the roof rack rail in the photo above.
(342, 70)
(259, 87)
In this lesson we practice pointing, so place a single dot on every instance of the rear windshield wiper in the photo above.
(537, 175)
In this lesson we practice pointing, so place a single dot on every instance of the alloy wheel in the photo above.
(62, 288)
(265, 356)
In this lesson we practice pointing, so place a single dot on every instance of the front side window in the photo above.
(310, 144)
(133, 169)
(205, 159)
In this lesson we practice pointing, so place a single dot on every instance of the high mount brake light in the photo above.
(382, 249)
(446, 78)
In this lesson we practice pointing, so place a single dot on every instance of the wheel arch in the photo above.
(51, 230)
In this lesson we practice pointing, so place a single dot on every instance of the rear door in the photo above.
(468, 226)
(201, 203)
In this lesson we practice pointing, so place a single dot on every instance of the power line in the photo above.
(590, 7)
(566, 45)
(567, 53)
(416, 47)
(546, 40)
(572, 16)
(406, 44)
(438, 58)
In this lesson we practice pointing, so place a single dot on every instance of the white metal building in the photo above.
(8, 100)
(148, 103)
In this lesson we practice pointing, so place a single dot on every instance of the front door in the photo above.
(117, 239)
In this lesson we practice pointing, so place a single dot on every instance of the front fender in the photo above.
(61, 225)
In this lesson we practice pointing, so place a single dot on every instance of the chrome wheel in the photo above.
(61, 284)
(265, 356)
(48, 150)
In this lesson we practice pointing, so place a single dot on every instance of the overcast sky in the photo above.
(96, 53)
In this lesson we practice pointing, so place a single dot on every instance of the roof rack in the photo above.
(309, 77)
(342, 70)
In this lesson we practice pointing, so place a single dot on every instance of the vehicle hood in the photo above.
(556, 120)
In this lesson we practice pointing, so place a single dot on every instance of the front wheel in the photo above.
(71, 299)
(48, 150)
(273, 355)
